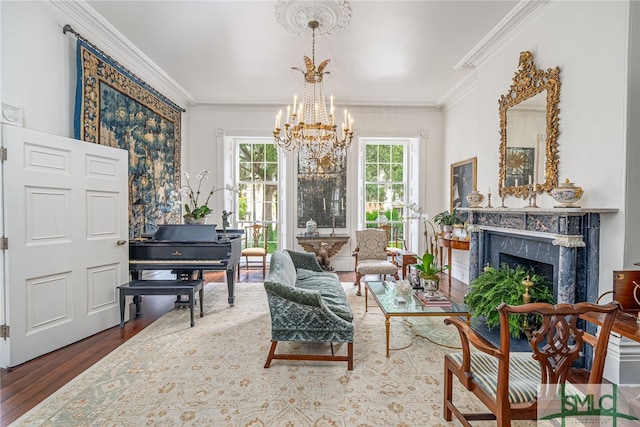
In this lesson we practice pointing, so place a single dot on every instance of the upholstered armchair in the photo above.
(371, 255)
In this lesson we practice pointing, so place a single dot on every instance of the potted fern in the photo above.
(497, 285)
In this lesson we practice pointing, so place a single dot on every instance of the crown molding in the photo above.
(95, 28)
(501, 33)
(459, 91)
(352, 104)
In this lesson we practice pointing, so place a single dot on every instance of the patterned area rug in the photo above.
(212, 374)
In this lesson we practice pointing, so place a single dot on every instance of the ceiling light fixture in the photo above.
(307, 128)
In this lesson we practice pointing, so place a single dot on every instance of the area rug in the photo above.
(213, 374)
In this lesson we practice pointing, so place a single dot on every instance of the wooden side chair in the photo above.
(256, 237)
(391, 256)
(371, 255)
(394, 244)
(507, 382)
(393, 237)
(389, 230)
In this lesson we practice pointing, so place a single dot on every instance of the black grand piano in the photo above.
(187, 250)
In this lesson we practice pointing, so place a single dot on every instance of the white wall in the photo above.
(39, 75)
(588, 41)
(632, 230)
(599, 131)
(38, 66)
(206, 151)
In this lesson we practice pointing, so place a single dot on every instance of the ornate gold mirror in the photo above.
(529, 131)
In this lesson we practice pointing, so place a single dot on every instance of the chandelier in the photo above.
(307, 128)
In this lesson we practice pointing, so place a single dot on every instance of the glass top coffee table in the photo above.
(384, 293)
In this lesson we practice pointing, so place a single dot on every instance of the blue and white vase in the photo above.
(311, 226)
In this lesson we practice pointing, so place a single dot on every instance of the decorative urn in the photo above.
(311, 225)
(567, 194)
(475, 199)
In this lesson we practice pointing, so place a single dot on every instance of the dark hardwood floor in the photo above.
(24, 386)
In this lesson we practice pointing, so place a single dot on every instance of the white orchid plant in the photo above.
(187, 192)
(416, 212)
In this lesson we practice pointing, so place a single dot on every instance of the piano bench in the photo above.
(162, 287)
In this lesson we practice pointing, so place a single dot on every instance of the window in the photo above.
(257, 198)
(385, 176)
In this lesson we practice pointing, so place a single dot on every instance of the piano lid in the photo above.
(186, 233)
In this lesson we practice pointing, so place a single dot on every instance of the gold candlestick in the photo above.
(526, 297)
(533, 193)
(504, 194)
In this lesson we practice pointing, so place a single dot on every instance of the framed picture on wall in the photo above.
(463, 182)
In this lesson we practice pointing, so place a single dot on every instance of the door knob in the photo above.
(121, 242)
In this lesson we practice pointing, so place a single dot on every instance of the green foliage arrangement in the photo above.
(389, 215)
(428, 267)
(497, 285)
(447, 218)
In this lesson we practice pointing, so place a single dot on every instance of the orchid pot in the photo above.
(428, 270)
(190, 219)
(430, 285)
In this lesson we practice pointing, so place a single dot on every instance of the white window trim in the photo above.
(413, 187)
(232, 175)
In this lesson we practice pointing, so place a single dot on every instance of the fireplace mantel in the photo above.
(567, 238)
(563, 225)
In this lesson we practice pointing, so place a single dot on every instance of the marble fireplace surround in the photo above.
(566, 238)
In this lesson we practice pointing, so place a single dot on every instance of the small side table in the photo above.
(626, 324)
(407, 258)
(162, 287)
(450, 244)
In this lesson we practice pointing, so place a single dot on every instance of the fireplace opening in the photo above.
(540, 268)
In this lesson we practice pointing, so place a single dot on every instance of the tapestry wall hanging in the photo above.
(117, 109)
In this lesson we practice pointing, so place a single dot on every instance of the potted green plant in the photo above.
(505, 284)
(428, 270)
(446, 220)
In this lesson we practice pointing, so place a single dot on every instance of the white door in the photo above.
(66, 222)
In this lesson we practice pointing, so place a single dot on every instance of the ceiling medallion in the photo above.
(295, 15)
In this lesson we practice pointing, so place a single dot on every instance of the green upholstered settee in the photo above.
(307, 304)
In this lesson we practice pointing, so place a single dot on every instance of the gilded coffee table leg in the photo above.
(387, 325)
(366, 298)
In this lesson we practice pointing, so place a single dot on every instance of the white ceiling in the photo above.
(234, 52)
